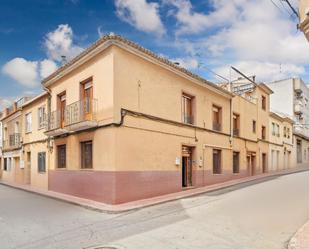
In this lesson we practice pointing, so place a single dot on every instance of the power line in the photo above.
(291, 7)
(287, 11)
(277, 6)
(200, 65)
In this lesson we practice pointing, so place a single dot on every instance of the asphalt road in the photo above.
(263, 215)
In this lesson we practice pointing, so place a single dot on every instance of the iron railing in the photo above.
(79, 111)
(187, 119)
(216, 126)
(13, 141)
(54, 121)
(236, 132)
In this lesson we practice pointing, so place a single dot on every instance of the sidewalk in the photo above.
(301, 239)
(98, 206)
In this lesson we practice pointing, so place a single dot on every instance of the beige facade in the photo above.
(304, 17)
(281, 142)
(124, 124)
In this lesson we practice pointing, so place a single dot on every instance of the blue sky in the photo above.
(257, 36)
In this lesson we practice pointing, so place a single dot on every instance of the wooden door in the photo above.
(61, 106)
(87, 100)
(186, 166)
(264, 165)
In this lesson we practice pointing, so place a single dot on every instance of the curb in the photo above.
(135, 205)
(301, 238)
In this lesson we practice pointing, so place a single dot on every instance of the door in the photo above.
(264, 165)
(186, 166)
(87, 100)
(62, 104)
(28, 168)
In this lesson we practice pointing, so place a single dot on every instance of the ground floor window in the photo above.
(61, 154)
(42, 162)
(5, 164)
(235, 162)
(216, 162)
(86, 155)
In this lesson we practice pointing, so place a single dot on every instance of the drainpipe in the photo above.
(48, 125)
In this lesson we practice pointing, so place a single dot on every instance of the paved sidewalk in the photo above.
(301, 239)
(98, 206)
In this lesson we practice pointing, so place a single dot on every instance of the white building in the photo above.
(291, 97)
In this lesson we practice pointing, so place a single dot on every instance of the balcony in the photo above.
(187, 119)
(236, 132)
(81, 115)
(298, 108)
(56, 124)
(14, 142)
(77, 116)
(216, 126)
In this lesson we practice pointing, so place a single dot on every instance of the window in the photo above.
(235, 162)
(187, 109)
(42, 162)
(284, 131)
(288, 132)
(5, 164)
(216, 159)
(254, 126)
(86, 155)
(41, 117)
(273, 128)
(263, 102)
(278, 130)
(236, 124)
(28, 122)
(263, 132)
(61, 151)
(217, 117)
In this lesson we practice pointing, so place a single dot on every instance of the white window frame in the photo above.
(28, 119)
(41, 117)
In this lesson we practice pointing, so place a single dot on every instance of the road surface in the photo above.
(263, 215)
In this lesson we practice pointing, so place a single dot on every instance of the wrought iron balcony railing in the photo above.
(54, 121)
(13, 141)
(187, 119)
(79, 111)
(216, 126)
(236, 132)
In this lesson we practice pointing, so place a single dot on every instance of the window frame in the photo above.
(238, 162)
(41, 155)
(59, 147)
(28, 125)
(83, 159)
(41, 123)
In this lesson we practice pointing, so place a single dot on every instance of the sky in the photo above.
(259, 37)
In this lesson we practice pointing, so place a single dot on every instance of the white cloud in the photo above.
(60, 43)
(47, 67)
(23, 71)
(142, 15)
(252, 33)
(100, 32)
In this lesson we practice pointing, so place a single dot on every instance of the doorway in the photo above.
(87, 99)
(28, 168)
(61, 108)
(251, 162)
(186, 166)
(264, 163)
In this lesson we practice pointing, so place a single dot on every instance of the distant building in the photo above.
(304, 17)
(291, 98)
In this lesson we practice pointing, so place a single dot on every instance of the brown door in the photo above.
(61, 108)
(186, 166)
(28, 168)
(87, 100)
(264, 165)
(253, 164)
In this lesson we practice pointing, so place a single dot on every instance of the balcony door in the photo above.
(61, 108)
(87, 99)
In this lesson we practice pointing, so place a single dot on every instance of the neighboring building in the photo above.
(280, 142)
(12, 143)
(1, 141)
(304, 17)
(291, 97)
(34, 142)
(125, 124)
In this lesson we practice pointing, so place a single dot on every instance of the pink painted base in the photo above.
(125, 186)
